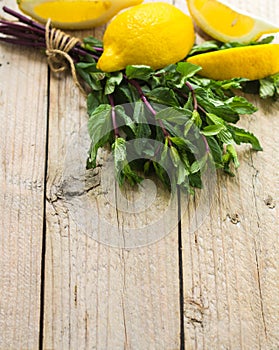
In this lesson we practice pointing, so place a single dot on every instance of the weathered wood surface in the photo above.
(60, 288)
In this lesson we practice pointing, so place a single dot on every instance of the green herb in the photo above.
(170, 122)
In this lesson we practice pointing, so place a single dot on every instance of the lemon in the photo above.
(251, 62)
(74, 14)
(155, 34)
(225, 24)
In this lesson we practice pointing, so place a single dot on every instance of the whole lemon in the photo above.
(154, 34)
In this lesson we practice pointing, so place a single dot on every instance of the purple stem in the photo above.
(151, 109)
(36, 28)
(113, 116)
(142, 96)
(28, 43)
(193, 95)
(23, 19)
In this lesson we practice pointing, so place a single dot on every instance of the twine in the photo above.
(58, 44)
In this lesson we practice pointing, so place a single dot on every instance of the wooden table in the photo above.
(214, 288)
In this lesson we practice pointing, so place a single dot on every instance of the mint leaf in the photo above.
(244, 136)
(112, 81)
(215, 148)
(187, 69)
(122, 167)
(90, 42)
(206, 46)
(240, 105)
(164, 96)
(99, 128)
(173, 115)
(139, 72)
(211, 130)
(125, 119)
(269, 87)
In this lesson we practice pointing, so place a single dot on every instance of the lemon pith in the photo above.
(223, 23)
(251, 62)
(154, 34)
(74, 14)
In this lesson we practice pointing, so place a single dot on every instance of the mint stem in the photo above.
(142, 96)
(193, 95)
(151, 109)
(30, 33)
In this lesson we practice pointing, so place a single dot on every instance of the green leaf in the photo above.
(164, 96)
(174, 115)
(125, 119)
(90, 42)
(244, 136)
(99, 127)
(187, 69)
(213, 104)
(225, 136)
(196, 118)
(122, 167)
(240, 105)
(198, 164)
(215, 119)
(113, 80)
(142, 129)
(162, 174)
(231, 150)
(215, 149)
(269, 87)
(94, 100)
(206, 46)
(140, 72)
(175, 156)
(86, 72)
(211, 130)
(165, 152)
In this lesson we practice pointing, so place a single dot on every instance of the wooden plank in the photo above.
(231, 269)
(23, 100)
(98, 296)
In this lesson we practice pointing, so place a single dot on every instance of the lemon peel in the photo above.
(155, 34)
(74, 14)
(226, 24)
(251, 62)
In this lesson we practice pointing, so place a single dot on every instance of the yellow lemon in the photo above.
(74, 14)
(155, 34)
(225, 24)
(251, 62)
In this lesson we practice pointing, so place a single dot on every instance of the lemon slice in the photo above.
(226, 24)
(252, 62)
(74, 14)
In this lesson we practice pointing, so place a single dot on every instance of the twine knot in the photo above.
(58, 44)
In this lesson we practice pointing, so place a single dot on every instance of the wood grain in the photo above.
(97, 294)
(22, 170)
(231, 269)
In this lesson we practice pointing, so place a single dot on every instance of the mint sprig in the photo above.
(170, 122)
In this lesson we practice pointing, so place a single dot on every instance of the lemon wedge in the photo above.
(226, 24)
(74, 14)
(252, 62)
